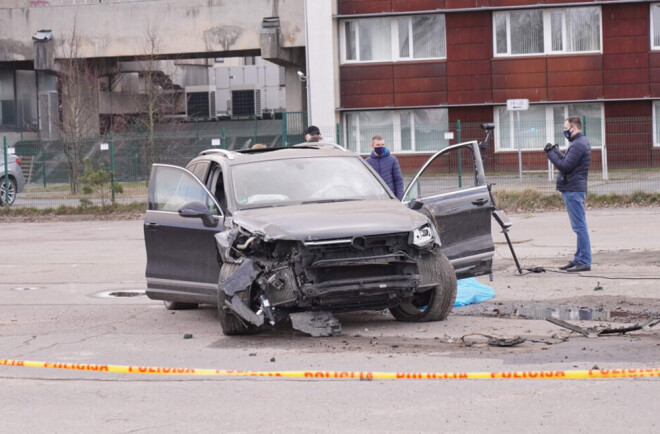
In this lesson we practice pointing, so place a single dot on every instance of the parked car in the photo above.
(298, 233)
(12, 184)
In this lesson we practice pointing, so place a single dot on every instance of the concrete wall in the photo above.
(119, 29)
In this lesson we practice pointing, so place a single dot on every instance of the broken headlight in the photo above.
(422, 236)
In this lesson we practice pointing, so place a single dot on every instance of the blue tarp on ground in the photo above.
(470, 291)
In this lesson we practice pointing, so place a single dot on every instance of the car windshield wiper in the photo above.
(329, 200)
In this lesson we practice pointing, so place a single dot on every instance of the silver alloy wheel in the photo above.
(7, 191)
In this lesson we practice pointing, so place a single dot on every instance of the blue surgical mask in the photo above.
(567, 134)
(379, 150)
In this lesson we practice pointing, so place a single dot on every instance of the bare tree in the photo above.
(159, 97)
(78, 119)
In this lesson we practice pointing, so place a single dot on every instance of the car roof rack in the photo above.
(226, 153)
(319, 145)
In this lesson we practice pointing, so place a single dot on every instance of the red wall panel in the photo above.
(417, 5)
(348, 7)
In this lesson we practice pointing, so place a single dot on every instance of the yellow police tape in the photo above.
(358, 375)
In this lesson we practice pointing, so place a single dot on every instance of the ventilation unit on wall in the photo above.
(245, 102)
(200, 102)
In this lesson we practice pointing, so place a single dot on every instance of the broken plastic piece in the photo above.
(241, 279)
(244, 312)
(494, 341)
(316, 323)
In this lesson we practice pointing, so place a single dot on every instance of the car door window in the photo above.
(174, 187)
(448, 172)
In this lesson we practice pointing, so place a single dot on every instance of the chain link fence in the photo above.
(625, 158)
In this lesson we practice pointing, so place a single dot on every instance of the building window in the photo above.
(393, 39)
(7, 100)
(656, 123)
(655, 26)
(547, 31)
(420, 130)
(543, 124)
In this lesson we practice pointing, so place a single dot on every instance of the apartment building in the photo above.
(412, 69)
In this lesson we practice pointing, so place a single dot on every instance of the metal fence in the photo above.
(625, 158)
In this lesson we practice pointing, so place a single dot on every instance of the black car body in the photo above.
(298, 233)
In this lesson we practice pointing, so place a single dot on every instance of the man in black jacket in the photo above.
(572, 183)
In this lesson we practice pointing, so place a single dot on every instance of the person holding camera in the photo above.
(573, 169)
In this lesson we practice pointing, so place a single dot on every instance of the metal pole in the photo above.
(223, 139)
(460, 162)
(285, 138)
(6, 178)
(255, 131)
(43, 159)
(519, 147)
(112, 167)
(338, 134)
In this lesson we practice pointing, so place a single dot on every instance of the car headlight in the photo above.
(422, 236)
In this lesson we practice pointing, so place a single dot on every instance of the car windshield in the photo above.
(304, 180)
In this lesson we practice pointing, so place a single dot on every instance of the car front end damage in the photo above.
(273, 280)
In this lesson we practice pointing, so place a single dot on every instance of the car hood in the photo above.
(331, 220)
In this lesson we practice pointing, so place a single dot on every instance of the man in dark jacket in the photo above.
(572, 183)
(386, 165)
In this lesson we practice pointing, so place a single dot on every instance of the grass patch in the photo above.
(532, 200)
(108, 210)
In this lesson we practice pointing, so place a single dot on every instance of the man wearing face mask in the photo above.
(386, 165)
(572, 183)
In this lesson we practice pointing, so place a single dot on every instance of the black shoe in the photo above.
(578, 267)
(567, 266)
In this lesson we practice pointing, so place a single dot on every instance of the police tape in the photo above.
(357, 375)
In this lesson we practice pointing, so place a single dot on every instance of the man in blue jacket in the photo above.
(386, 165)
(572, 183)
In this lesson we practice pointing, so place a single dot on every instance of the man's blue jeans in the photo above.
(574, 201)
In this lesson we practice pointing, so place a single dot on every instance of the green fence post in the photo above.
(6, 177)
(285, 138)
(223, 139)
(584, 125)
(196, 129)
(112, 167)
(43, 160)
(460, 162)
(254, 141)
(338, 134)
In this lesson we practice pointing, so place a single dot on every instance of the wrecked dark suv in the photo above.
(298, 233)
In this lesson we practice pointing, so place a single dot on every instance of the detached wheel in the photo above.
(231, 324)
(177, 305)
(435, 303)
(7, 192)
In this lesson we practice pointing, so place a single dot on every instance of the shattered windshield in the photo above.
(304, 180)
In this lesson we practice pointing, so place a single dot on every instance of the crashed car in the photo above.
(298, 233)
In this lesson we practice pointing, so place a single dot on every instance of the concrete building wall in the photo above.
(119, 29)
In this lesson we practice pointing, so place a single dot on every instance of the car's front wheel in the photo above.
(435, 303)
(231, 324)
(8, 191)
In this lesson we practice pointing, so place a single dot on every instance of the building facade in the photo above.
(412, 70)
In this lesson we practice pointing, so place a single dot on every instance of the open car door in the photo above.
(451, 190)
(179, 227)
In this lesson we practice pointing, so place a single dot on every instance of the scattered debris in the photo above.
(598, 287)
(187, 336)
(316, 323)
(272, 359)
(595, 332)
(494, 341)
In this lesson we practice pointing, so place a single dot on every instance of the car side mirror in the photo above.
(198, 209)
(415, 204)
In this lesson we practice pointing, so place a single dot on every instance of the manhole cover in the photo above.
(27, 288)
(122, 293)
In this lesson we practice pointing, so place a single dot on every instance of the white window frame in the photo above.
(651, 29)
(549, 133)
(394, 42)
(547, 34)
(656, 123)
(395, 146)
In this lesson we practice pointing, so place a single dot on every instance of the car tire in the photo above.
(231, 324)
(11, 188)
(434, 304)
(177, 305)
